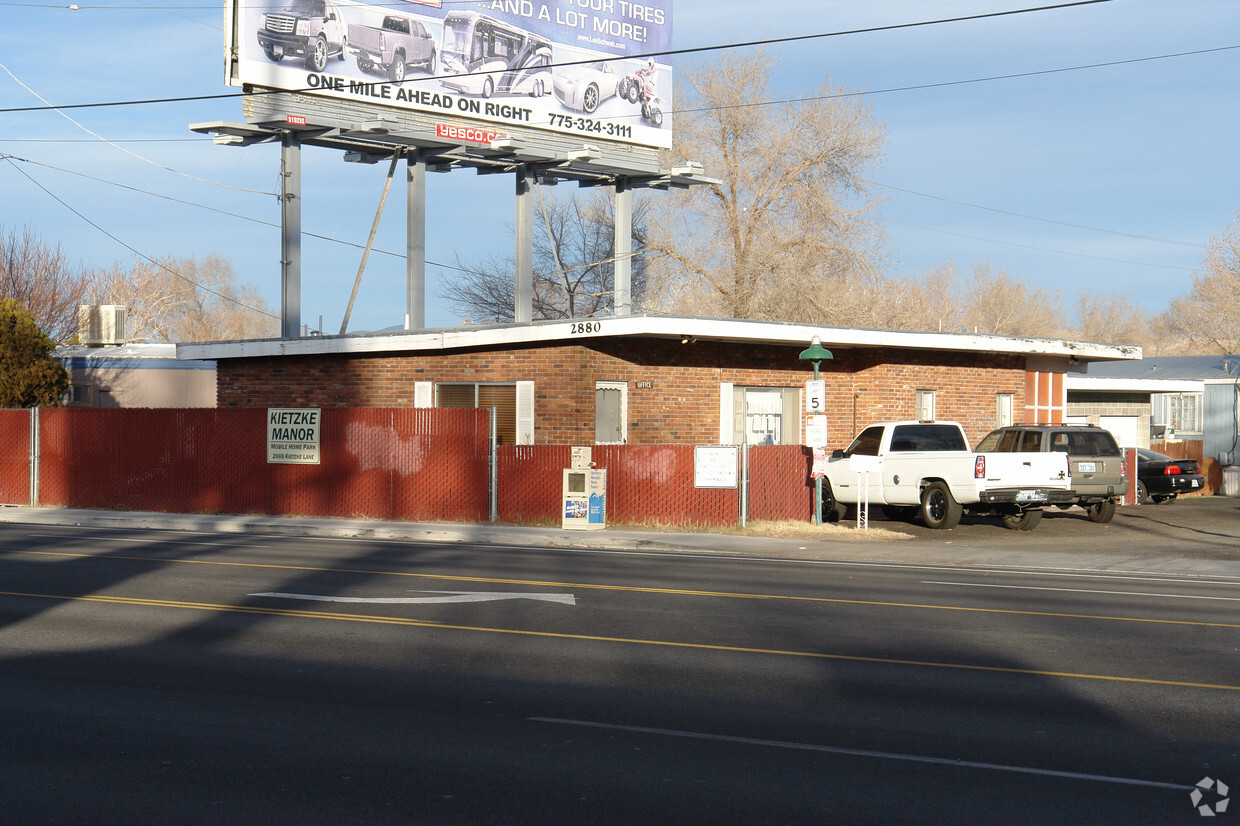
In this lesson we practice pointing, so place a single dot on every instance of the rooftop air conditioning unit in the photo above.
(101, 324)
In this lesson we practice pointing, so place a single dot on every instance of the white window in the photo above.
(1178, 412)
(611, 399)
(511, 427)
(925, 405)
(1003, 409)
(761, 415)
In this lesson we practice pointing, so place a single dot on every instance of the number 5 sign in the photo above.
(815, 396)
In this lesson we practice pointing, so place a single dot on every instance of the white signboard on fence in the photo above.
(714, 466)
(293, 435)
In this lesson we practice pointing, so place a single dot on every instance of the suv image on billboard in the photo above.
(1095, 461)
(312, 29)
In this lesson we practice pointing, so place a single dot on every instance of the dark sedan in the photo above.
(1161, 479)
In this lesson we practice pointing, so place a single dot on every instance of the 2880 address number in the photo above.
(582, 327)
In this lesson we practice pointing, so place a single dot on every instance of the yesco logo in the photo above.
(1209, 797)
(468, 134)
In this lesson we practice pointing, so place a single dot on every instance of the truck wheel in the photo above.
(488, 87)
(432, 62)
(1101, 512)
(939, 509)
(1022, 520)
(832, 511)
(396, 72)
(316, 55)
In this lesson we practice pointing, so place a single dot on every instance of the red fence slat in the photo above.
(15, 457)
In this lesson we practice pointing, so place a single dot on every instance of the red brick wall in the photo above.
(680, 403)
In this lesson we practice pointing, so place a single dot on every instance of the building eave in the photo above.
(1119, 385)
(651, 326)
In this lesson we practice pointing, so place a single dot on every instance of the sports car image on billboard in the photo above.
(584, 87)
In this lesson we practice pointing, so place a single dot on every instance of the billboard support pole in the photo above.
(415, 240)
(623, 267)
(290, 242)
(523, 309)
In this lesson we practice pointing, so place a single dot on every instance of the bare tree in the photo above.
(40, 278)
(997, 304)
(1113, 320)
(1207, 320)
(791, 208)
(574, 264)
(179, 300)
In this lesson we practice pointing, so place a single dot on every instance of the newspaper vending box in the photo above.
(585, 499)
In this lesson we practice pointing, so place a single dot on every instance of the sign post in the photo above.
(816, 394)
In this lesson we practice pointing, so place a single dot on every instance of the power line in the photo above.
(771, 41)
(216, 210)
(666, 53)
(1044, 220)
(1044, 249)
(134, 250)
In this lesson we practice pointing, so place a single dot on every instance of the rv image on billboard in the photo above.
(572, 67)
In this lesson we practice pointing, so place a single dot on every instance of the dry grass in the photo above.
(827, 532)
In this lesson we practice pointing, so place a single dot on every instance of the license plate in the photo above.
(1088, 467)
(1196, 483)
(1030, 496)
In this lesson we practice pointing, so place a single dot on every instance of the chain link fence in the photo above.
(426, 464)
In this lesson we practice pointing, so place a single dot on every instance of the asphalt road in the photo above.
(223, 678)
(1191, 527)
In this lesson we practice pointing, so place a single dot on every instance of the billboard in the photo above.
(573, 68)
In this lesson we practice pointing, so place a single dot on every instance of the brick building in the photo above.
(660, 379)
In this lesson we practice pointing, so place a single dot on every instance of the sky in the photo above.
(1091, 148)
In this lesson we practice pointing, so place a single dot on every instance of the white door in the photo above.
(1123, 428)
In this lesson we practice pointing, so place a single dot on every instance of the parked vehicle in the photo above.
(1095, 460)
(1160, 479)
(401, 41)
(313, 29)
(585, 86)
(482, 56)
(927, 468)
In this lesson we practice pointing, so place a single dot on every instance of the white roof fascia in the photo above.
(126, 351)
(735, 330)
(1079, 382)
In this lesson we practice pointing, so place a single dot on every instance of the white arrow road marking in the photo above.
(445, 596)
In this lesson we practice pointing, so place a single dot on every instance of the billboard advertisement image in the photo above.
(576, 68)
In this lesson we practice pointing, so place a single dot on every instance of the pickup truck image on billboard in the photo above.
(391, 48)
(580, 69)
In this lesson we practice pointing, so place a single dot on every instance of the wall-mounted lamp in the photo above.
(687, 339)
(363, 157)
(588, 152)
(507, 144)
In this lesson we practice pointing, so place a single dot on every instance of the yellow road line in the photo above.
(696, 646)
(641, 590)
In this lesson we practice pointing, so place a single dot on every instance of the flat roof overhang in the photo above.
(577, 331)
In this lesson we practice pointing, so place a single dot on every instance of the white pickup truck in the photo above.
(912, 467)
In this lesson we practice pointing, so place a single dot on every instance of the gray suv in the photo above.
(1095, 461)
